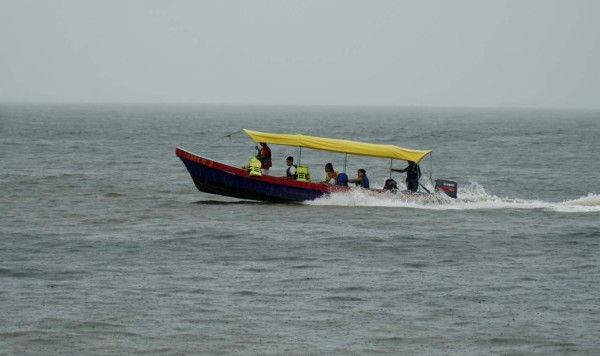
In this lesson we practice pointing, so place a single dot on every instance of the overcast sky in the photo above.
(520, 53)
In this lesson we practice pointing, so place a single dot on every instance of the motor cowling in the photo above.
(450, 188)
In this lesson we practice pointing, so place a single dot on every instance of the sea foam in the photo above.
(470, 197)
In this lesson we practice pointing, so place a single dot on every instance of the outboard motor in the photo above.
(447, 186)
(390, 185)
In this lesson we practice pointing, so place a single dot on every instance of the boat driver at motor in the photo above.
(264, 156)
(413, 173)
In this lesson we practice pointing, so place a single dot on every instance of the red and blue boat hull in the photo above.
(217, 178)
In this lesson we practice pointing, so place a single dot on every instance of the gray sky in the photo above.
(520, 53)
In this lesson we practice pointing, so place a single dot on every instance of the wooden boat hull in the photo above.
(217, 178)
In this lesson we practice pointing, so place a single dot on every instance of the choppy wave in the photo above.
(589, 203)
(470, 197)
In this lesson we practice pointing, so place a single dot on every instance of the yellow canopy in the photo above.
(341, 146)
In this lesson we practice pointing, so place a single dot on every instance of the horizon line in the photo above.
(397, 106)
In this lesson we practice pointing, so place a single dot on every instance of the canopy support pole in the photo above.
(431, 169)
(299, 155)
(391, 168)
(345, 161)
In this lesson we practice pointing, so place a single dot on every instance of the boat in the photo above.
(214, 177)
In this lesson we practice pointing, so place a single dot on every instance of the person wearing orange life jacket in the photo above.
(330, 175)
(264, 156)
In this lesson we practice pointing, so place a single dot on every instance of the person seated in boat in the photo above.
(290, 172)
(413, 174)
(264, 156)
(362, 180)
(330, 175)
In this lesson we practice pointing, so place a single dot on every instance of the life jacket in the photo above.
(254, 167)
(287, 171)
(365, 182)
(302, 174)
(342, 179)
(413, 173)
(265, 161)
(333, 175)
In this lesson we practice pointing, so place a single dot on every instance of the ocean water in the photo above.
(106, 246)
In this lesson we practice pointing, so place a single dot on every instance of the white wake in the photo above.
(470, 197)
